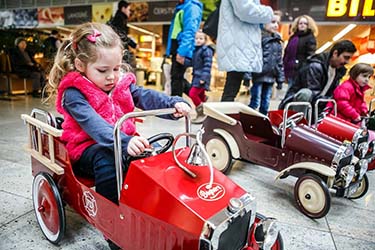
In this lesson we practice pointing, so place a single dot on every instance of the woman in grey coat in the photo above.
(239, 47)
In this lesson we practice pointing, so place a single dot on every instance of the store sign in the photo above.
(161, 11)
(152, 11)
(329, 10)
(354, 8)
(77, 14)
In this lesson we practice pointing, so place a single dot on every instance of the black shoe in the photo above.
(37, 94)
(112, 245)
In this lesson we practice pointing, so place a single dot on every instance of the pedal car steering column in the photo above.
(117, 137)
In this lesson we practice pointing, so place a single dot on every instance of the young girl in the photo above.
(272, 70)
(350, 94)
(201, 62)
(92, 95)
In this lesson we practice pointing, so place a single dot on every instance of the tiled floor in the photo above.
(349, 225)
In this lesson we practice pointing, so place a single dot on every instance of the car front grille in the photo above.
(235, 237)
(228, 229)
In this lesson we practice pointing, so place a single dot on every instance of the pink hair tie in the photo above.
(92, 37)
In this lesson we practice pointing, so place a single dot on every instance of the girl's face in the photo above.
(363, 79)
(273, 26)
(303, 24)
(105, 71)
(200, 39)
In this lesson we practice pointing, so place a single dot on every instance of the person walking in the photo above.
(301, 45)
(120, 24)
(185, 23)
(201, 62)
(239, 40)
(272, 70)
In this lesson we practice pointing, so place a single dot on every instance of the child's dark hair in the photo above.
(361, 68)
(82, 44)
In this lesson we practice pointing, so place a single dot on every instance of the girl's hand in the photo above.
(137, 145)
(201, 81)
(182, 109)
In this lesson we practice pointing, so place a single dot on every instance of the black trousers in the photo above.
(232, 86)
(179, 84)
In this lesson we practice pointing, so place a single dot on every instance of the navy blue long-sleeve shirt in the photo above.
(100, 130)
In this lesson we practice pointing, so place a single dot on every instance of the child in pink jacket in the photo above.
(350, 94)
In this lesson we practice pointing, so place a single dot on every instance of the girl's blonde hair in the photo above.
(82, 44)
(311, 25)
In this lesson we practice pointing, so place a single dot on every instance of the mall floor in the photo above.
(350, 224)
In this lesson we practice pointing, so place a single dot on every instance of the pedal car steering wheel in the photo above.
(292, 120)
(156, 148)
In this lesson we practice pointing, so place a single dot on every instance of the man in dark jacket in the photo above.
(321, 75)
(24, 65)
(120, 24)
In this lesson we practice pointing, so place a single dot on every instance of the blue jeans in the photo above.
(261, 94)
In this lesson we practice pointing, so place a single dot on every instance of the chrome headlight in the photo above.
(363, 165)
(362, 149)
(359, 137)
(347, 174)
(343, 155)
(266, 233)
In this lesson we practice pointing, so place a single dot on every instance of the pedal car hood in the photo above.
(158, 187)
(305, 140)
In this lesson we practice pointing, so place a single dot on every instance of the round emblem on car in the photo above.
(90, 203)
(210, 193)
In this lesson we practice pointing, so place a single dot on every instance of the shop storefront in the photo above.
(149, 24)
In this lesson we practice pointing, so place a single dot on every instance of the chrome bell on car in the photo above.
(196, 156)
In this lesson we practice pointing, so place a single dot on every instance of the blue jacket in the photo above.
(185, 23)
(272, 69)
(201, 62)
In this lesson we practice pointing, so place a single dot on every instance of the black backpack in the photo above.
(211, 24)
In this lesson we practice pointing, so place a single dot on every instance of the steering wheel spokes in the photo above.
(156, 146)
(292, 120)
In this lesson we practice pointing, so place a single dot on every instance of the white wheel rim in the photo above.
(49, 234)
(311, 196)
(218, 153)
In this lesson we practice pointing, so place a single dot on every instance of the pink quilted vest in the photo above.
(109, 106)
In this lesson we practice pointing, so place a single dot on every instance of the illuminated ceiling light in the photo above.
(324, 47)
(143, 30)
(343, 32)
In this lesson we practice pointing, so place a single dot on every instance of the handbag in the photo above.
(211, 24)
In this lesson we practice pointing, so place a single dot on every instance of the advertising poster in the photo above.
(101, 13)
(74, 15)
(53, 16)
(25, 17)
(6, 18)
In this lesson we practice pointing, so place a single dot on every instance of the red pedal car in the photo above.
(361, 137)
(167, 200)
(281, 142)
